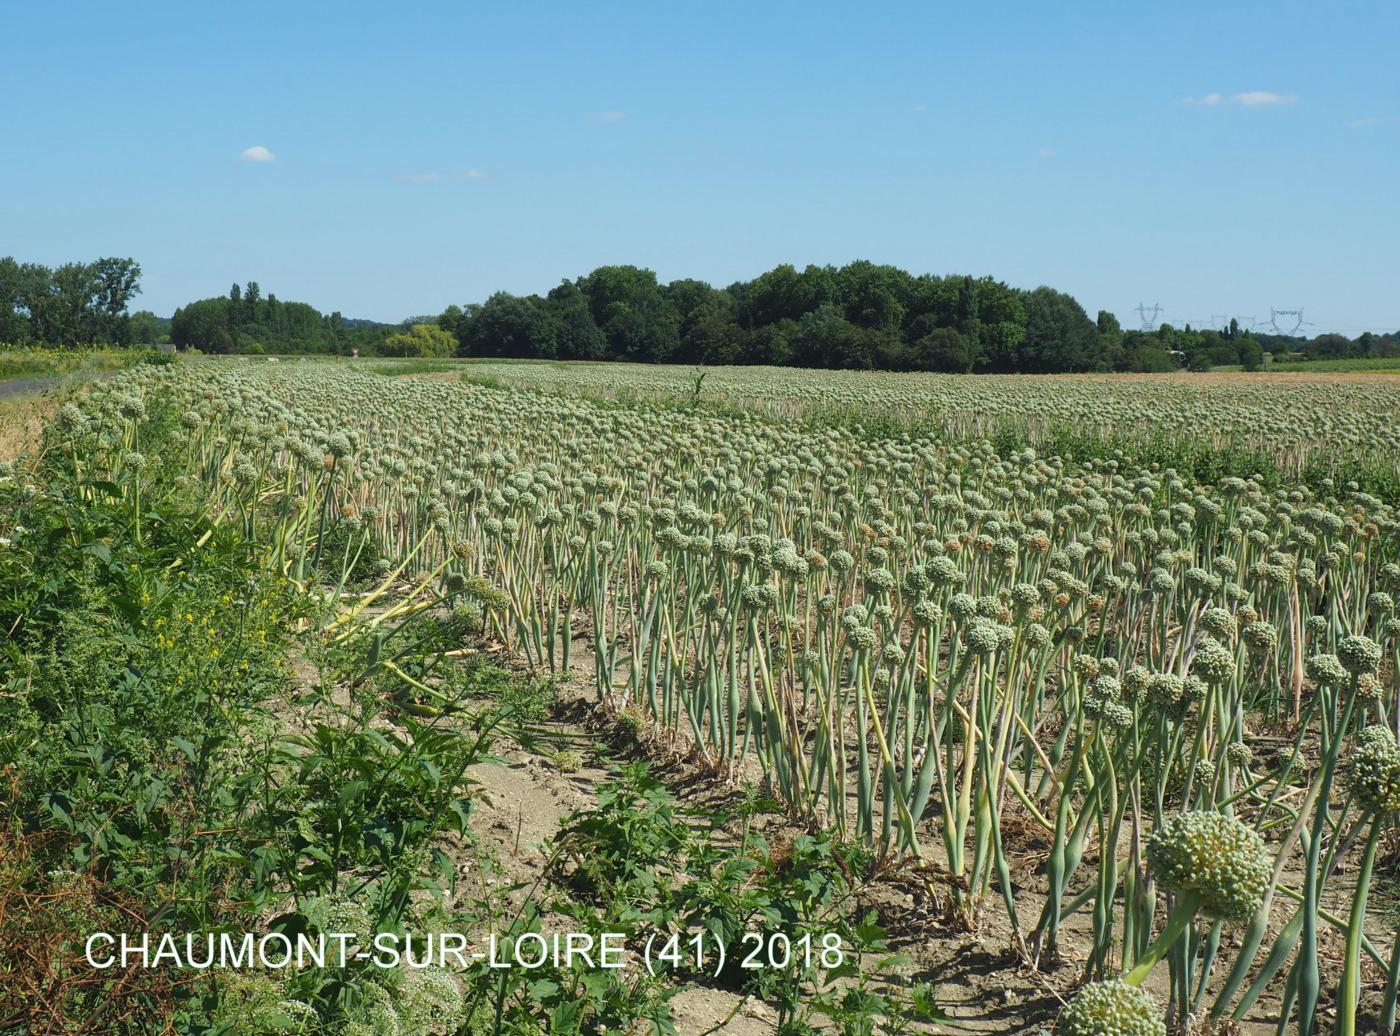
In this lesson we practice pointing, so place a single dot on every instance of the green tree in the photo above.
(577, 336)
(114, 283)
(872, 296)
(825, 338)
(1251, 353)
(783, 294)
(1001, 310)
(145, 328)
(1110, 343)
(453, 320)
(770, 345)
(640, 323)
(194, 325)
(946, 349)
(69, 316)
(248, 313)
(420, 340)
(1059, 334)
(511, 326)
(14, 321)
(969, 323)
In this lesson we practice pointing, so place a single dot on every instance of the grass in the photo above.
(22, 421)
(401, 368)
(53, 363)
(1381, 364)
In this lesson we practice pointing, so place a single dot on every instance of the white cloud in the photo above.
(921, 107)
(256, 153)
(1245, 99)
(612, 116)
(1362, 123)
(436, 176)
(1045, 152)
(1260, 98)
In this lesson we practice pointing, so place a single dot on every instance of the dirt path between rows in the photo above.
(976, 977)
(525, 797)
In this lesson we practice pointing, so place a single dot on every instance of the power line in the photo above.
(1148, 315)
(1293, 321)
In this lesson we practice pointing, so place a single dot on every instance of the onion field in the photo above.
(889, 602)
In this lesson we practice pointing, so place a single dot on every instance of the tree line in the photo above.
(861, 316)
(247, 321)
(78, 303)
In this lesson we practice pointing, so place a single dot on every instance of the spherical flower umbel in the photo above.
(1160, 582)
(1375, 771)
(1215, 857)
(879, 580)
(862, 637)
(1111, 715)
(1135, 683)
(1240, 754)
(338, 445)
(1325, 670)
(1037, 636)
(982, 637)
(1218, 622)
(1107, 687)
(1359, 654)
(71, 417)
(926, 613)
(431, 1002)
(1025, 595)
(1260, 637)
(1213, 661)
(943, 571)
(1086, 666)
(1111, 1008)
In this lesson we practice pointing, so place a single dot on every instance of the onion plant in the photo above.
(944, 650)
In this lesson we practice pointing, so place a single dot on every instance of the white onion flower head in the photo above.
(1215, 856)
(1375, 770)
(1111, 1008)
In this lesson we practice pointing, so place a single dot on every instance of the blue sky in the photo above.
(1218, 158)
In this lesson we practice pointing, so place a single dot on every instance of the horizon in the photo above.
(1128, 321)
(387, 167)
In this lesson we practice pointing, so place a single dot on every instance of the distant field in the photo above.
(396, 368)
(50, 363)
(1387, 364)
(1292, 421)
